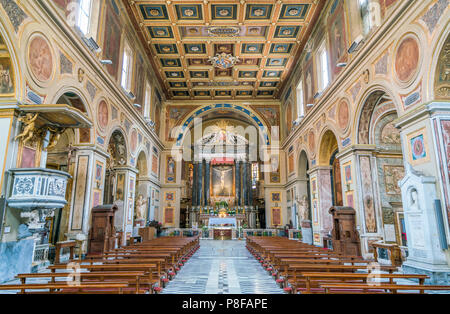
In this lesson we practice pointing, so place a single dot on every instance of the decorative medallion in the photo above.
(223, 31)
(407, 59)
(224, 61)
(40, 58)
(103, 115)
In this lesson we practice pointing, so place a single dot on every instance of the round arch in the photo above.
(434, 83)
(14, 64)
(328, 144)
(303, 164)
(256, 120)
(373, 96)
(65, 89)
(141, 163)
(121, 131)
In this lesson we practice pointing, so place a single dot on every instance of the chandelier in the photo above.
(223, 60)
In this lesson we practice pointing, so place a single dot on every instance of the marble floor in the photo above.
(222, 267)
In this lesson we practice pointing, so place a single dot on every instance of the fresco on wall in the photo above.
(442, 77)
(157, 118)
(309, 82)
(367, 194)
(133, 141)
(85, 135)
(174, 116)
(112, 38)
(6, 71)
(40, 59)
(103, 115)
(407, 59)
(337, 38)
(15, 13)
(432, 16)
(155, 165)
(289, 117)
(343, 115)
(139, 82)
(311, 142)
(291, 164)
(171, 170)
(270, 114)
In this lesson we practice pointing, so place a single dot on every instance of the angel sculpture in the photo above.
(29, 129)
(56, 135)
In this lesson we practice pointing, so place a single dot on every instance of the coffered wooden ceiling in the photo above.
(266, 36)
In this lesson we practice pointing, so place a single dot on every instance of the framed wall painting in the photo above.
(170, 196)
(276, 197)
(417, 142)
(171, 170)
(350, 199)
(169, 218)
(98, 174)
(348, 172)
(276, 216)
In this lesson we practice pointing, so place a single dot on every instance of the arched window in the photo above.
(84, 16)
(127, 63)
(300, 105)
(323, 69)
(147, 100)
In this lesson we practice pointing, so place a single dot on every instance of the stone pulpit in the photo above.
(425, 255)
(344, 235)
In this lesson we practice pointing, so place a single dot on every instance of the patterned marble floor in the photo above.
(222, 267)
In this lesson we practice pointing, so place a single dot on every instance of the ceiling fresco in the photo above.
(254, 44)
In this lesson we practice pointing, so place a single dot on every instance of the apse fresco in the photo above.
(222, 181)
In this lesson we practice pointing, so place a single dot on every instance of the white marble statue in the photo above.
(140, 207)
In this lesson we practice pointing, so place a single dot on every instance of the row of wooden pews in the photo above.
(301, 268)
(142, 268)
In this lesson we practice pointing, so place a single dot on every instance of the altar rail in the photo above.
(208, 233)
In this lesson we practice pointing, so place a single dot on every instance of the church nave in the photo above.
(222, 267)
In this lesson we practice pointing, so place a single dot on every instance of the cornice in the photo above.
(51, 16)
(354, 67)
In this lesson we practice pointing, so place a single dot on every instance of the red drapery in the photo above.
(222, 161)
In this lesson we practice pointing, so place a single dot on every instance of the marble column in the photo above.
(238, 183)
(207, 184)
(194, 185)
(321, 201)
(244, 180)
(249, 184)
(200, 183)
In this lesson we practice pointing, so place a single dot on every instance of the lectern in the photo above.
(102, 234)
(344, 236)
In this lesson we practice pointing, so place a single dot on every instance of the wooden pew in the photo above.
(353, 288)
(132, 278)
(313, 280)
(108, 287)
